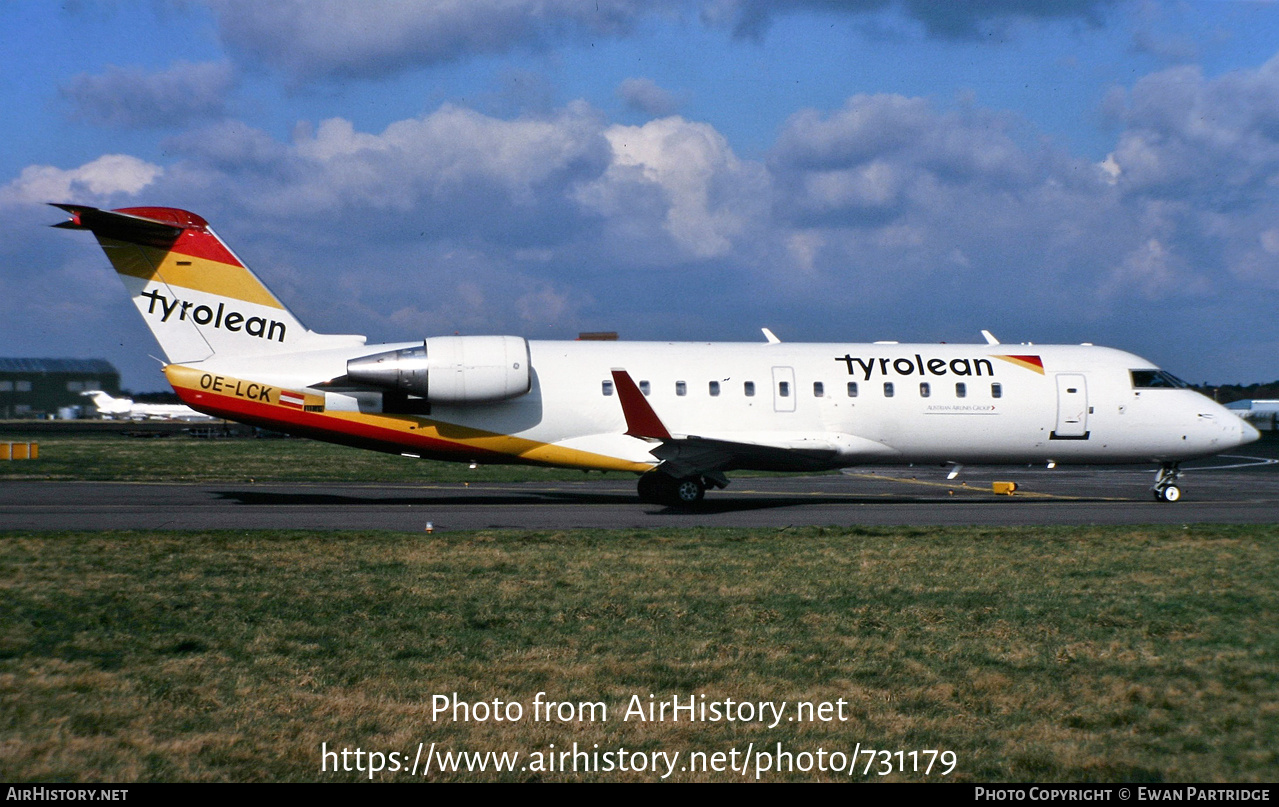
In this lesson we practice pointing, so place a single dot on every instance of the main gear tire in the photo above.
(659, 488)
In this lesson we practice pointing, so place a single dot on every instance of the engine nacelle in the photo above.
(451, 369)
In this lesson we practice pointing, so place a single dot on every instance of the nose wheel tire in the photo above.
(1166, 489)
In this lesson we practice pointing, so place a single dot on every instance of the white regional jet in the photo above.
(678, 414)
(125, 409)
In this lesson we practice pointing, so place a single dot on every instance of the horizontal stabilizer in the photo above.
(127, 227)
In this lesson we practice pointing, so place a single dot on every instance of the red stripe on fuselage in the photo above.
(334, 430)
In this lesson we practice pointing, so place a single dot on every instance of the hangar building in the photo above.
(39, 387)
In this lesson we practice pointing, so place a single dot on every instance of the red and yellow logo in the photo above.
(1029, 362)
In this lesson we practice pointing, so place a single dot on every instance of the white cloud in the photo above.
(751, 18)
(133, 98)
(873, 184)
(1184, 133)
(1270, 241)
(108, 176)
(709, 195)
(1110, 168)
(1155, 272)
(804, 247)
(451, 156)
(644, 95)
(867, 126)
(313, 39)
(229, 145)
(545, 306)
(319, 40)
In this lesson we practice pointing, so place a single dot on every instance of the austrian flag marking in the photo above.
(293, 400)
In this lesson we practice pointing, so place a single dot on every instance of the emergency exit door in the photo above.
(784, 389)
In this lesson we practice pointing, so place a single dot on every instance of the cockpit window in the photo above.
(1156, 379)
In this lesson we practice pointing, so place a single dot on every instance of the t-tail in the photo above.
(108, 405)
(196, 296)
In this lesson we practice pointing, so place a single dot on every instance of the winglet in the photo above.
(990, 337)
(771, 337)
(641, 420)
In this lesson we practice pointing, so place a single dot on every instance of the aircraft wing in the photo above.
(712, 454)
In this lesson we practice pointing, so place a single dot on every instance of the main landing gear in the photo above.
(656, 487)
(1166, 489)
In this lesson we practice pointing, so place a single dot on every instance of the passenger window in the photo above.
(996, 390)
(852, 389)
(818, 389)
(961, 390)
(608, 387)
(644, 387)
(783, 389)
(714, 388)
(750, 389)
(924, 389)
(888, 389)
(681, 388)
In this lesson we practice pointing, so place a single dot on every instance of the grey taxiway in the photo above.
(1228, 489)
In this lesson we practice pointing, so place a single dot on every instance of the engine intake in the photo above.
(451, 369)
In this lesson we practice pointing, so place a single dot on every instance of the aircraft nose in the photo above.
(1247, 432)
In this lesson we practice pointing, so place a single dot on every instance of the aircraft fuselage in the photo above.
(836, 404)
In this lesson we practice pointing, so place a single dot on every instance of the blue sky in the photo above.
(1054, 171)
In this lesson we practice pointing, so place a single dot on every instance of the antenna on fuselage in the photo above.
(990, 337)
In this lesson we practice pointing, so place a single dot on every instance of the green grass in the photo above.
(178, 458)
(1035, 654)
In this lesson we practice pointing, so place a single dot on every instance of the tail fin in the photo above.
(108, 405)
(196, 296)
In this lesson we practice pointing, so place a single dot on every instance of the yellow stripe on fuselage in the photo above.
(202, 390)
(188, 272)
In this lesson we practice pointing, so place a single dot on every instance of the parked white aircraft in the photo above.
(126, 409)
(678, 414)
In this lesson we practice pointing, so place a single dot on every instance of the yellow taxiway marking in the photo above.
(968, 489)
(526, 488)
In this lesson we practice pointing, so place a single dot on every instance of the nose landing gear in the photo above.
(1165, 488)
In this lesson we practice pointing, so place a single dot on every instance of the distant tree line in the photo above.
(1225, 393)
(153, 397)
